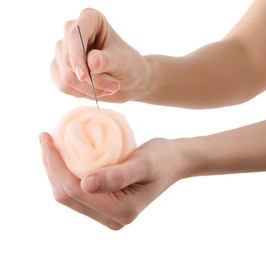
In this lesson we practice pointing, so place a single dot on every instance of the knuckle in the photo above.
(94, 15)
(67, 27)
(66, 60)
(63, 88)
(58, 46)
(72, 192)
(120, 179)
(61, 53)
(87, 11)
(60, 80)
(127, 215)
(70, 30)
(68, 78)
(114, 226)
(127, 218)
(71, 34)
(53, 68)
(61, 197)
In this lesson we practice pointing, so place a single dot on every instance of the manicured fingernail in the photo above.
(111, 90)
(114, 87)
(79, 72)
(107, 93)
(91, 184)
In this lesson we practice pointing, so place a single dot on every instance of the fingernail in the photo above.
(79, 72)
(114, 87)
(111, 89)
(107, 93)
(91, 184)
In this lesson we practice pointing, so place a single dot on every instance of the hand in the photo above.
(114, 196)
(116, 67)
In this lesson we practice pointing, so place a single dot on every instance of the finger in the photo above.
(79, 67)
(68, 77)
(105, 82)
(58, 174)
(90, 23)
(105, 68)
(114, 210)
(56, 77)
(106, 61)
(118, 177)
(68, 26)
(104, 86)
(54, 163)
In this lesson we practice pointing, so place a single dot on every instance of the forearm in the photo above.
(224, 73)
(219, 74)
(234, 151)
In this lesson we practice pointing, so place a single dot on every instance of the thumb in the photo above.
(114, 178)
(105, 61)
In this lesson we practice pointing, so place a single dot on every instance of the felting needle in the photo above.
(86, 60)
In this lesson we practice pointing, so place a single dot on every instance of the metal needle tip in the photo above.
(86, 61)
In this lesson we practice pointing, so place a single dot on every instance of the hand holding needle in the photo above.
(86, 60)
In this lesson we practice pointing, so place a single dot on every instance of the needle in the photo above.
(86, 60)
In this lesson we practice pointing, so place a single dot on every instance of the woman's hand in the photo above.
(114, 196)
(116, 67)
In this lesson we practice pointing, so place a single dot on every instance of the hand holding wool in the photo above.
(89, 139)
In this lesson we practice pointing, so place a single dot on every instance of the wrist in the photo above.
(233, 151)
(197, 157)
(150, 78)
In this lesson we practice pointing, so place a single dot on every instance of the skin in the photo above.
(223, 73)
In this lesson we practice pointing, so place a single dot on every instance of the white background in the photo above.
(220, 217)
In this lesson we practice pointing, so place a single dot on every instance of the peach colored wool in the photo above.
(89, 139)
